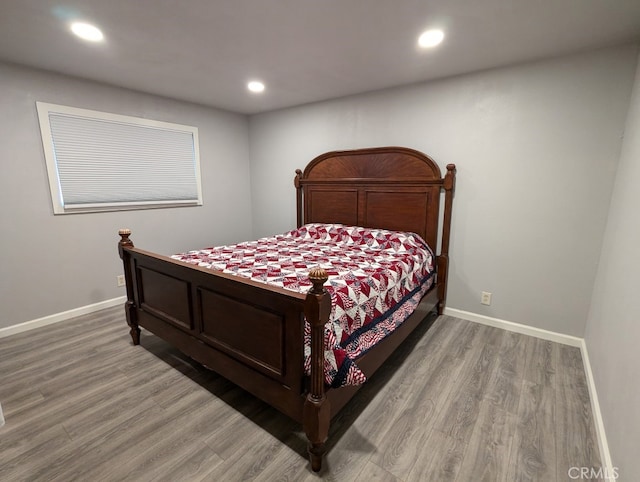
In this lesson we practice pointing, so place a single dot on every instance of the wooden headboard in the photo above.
(392, 188)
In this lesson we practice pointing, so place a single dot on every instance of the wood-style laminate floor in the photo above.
(458, 402)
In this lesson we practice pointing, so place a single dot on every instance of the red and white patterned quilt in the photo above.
(376, 280)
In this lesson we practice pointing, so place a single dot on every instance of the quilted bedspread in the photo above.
(376, 280)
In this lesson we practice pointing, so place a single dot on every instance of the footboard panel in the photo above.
(247, 333)
(166, 297)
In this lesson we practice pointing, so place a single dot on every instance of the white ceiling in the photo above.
(205, 51)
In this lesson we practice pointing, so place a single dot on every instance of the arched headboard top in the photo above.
(394, 188)
(388, 163)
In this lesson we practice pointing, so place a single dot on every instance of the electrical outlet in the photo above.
(485, 298)
(120, 280)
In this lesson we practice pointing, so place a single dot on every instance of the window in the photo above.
(106, 162)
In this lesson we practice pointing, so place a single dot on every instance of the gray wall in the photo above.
(55, 263)
(536, 147)
(613, 327)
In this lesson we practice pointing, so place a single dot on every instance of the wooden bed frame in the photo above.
(252, 333)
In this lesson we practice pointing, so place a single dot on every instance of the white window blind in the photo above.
(99, 161)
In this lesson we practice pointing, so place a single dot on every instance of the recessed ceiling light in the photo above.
(86, 31)
(255, 86)
(430, 38)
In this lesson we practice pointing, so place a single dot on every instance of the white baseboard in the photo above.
(516, 327)
(57, 317)
(603, 445)
(565, 340)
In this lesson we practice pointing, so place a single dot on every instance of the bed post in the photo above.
(443, 260)
(317, 411)
(129, 306)
(296, 183)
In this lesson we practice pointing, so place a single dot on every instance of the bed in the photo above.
(255, 333)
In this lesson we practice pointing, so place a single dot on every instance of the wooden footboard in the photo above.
(248, 332)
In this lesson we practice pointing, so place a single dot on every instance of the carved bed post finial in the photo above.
(317, 410)
(124, 240)
(318, 277)
(298, 185)
(129, 306)
(449, 185)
